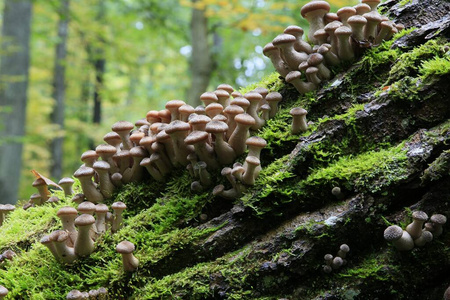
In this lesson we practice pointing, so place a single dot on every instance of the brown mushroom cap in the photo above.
(225, 87)
(118, 206)
(438, 219)
(343, 31)
(138, 151)
(216, 127)
(362, 8)
(233, 110)
(101, 208)
(346, 11)
(284, 39)
(298, 111)
(66, 211)
(74, 295)
(105, 149)
(122, 126)
(66, 180)
(244, 119)
(39, 182)
(393, 233)
(269, 48)
(314, 6)
(176, 126)
(256, 141)
(240, 101)
(195, 137)
(84, 172)
(174, 104)
(90, 154)
(209, 97)
(125, 247)
(274, 97)
(357, 19)
(86, 207)
(294, 30)
(101, 165)
(84, 220)
(420, 216)
(199, 119)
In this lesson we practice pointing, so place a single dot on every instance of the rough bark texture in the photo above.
(380, 132)
(201, 65)
(13, 94)
(59, 90)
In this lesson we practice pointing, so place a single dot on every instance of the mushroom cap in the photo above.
(74, 294)
(330, 17)
(39, 182)
(291, 76)
(220, 93)
(225, 87)
(214, 108)
(252, 160)
(59, 236)
(331, 27)
(256, 141)
(320, 33)
(273, 97)
(105, 149)
(141, 122)
(118, 206)
(245, 119)
(46, 239)
(419, 216)
(186, 109)
(78, 197)
(240, 101)
(393, 233)
(357, 19)
(314, 59)
(209, 96)
(298, 111)
(427, 236)
(123, 153)
(269, 48)
(294, 30)
(438, 219)
(138, 151)
(177, 126)
(101, 208)
(66, 180)
(262, 91)
(337, 262)
(7, 207)
(101, 165)
(218, 189)
(371, 1)
(265, 107)
(343, 31)
(88, 155)
(315, 6)
(328, 257)
(136, 136)
(336, 191)
(164, 114)
(196, 136)
(35, 196)
(85, 207)
(226, 171)
(346, 11)
(67, 211)
(199, 119)
(344, 248)
(9, 254)
(200, 109)
(84, 220)
(125, 247)
(174, 104)
(362, 8)
(221, 118)
(153, 116)
(233, 110)
(122, 126)
(253, 96)
(216, 127)
(372, 17)
(84, 172)
(284, 39)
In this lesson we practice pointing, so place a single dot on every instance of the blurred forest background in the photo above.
(69, 69)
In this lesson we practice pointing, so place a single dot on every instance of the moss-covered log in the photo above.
(380, 132)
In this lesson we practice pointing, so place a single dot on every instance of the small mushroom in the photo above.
(123, 128)
(415, 228)
(239, 135)
(118, 208)
(74, 295)
(400, 238)
(300, 45)
(66, 183)
(66, 253)
(41, 186)
(100, 213)
(299, 123)
(314, 13)
(337, 263)
(84, 245)
(302, 87)
(106, 186)
(336, 191)
(129, 261)
(438, 221)
(273, 53)
(67, 215)
(424, 238)
(85, 174)
(345, 50)
(343, 250)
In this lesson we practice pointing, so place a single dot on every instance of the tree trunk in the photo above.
(14, 67)
(201, 64)
(59, 89)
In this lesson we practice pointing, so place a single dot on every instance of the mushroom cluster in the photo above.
(201, 139)
(99, 294)
(418, 233)
(335, 38)
(334, 263)
(81, 229)
(44, 196)
(5, 209)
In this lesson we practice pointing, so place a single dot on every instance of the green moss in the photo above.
(437, 66)
(272, 82)
(379, 168)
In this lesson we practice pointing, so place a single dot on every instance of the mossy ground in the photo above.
(161, 219)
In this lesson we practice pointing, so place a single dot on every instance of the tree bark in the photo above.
(201, 64)
(59, 90)
(14, 67)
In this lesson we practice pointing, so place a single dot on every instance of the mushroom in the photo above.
(152, 170)
(208, 98)
(102, 293)
(48, 242)
(116, 179)
(36, 199)
(299, 123)
(424, 238)
(3, 292)
(213, 109)
(344, 13)
(168, 155)
(185, 111)
(136, 137)
(447, 294)
(372, 3)
(343, 250)
(205, 152)
(41, 186)
(224, 152)
(165, 116)
(330, 29)
(123, 157)
(316, 60)
(74, 295)
(239, 135)
(385, 29)
(66, 253)
(223, 97)
(300, 45)
(273, 98)
(106, 152)
(156, 160)
(66, 183)
(357, 24)
(415, 228)
(205, 177)
(345, 50)
(314, 13)
(302, 87)
(373, 19)
(84, 174)
(106, 186)
(153, 116)
(136, 172)
(241, 101)
(123, 128)
(285, 42)
(438, 221)
(199, 122)
(231, 112)
(78, 198)
(113, 139)
(89, 157)
(178, 131)
(118, 208)
(330, 17)
(255, 99)
(129, 261)
(337, 263)
(336, 191)
(400, 238)
(273, 53)
(173, 106)
(67, 215)
(362, 8)
(265, 111)
(100, 213)
(321, 36)
(251, 170)
(84, 245)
